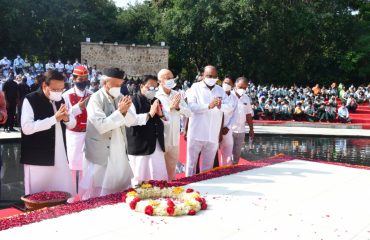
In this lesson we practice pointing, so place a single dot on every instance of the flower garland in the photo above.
(157, 198)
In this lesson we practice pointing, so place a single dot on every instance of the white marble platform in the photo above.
(291, 200)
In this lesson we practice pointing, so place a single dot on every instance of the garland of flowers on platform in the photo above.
(156, 198)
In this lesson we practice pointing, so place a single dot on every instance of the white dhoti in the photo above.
(50, 178)
(171, 156)
(75, 144)
(208, 152)
(149, 167)
(101, 180)
(226, 149)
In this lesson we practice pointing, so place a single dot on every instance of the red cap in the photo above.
(80, 71)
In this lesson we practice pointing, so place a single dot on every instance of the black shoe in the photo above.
(13, 130)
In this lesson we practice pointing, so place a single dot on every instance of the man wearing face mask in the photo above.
(173, 107)
(243, 113)
(44, 120)
(226, 145)
(207, 103)
(18, 64)
(49, 65)
(145, 137)
(5, 64)
(59, 66)
(106, 166)
(76, 99)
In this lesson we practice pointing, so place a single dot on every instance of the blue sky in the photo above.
(124, 3)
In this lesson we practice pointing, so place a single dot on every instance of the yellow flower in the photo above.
(191, 204)
(154, 203)
(132, 194)
(178, 190)
(146, 185)
(195, 195)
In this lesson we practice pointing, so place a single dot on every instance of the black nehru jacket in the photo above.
(39, 148)
(142, 140)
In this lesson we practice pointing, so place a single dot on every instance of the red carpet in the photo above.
(9, 212)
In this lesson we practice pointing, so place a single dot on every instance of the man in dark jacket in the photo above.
(145, 138)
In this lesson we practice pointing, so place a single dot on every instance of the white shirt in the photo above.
(343, 112)
(244, 107)
(5, 62)
(59, 67)
(75, 109)
(30, 126)
(69, 68)
(229, 116)
(205, 124)
(172, 129)
(49, 66)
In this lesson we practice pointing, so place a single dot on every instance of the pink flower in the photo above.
(170, 211)
(192, 212)
(189, 190)
(149, 210)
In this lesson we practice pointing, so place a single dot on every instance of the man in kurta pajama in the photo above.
(43, 153)
(106, 166)
(226, 145)
(76, 99)
(145, 137)
(173, 107)
(207, 102)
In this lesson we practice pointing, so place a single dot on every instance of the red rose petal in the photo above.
(149, 210)
(189, 190)
(192, 212)
(170, 211)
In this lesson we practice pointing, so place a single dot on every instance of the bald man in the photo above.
(207, 102)
(173, 106)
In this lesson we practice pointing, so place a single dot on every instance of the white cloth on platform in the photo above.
(149, 167)
(47, 178)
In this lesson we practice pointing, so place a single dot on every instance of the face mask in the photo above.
(169, 84)
(210, 81)
(55, 96)
(82, 85)
(58, 61)
(240, 91)
(226, 87)
(18, 56)
(150, 94)
(115, 91)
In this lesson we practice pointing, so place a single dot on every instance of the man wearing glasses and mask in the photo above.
(44, 120)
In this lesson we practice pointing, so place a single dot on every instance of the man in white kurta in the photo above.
(76, 99)
(58, 177)
(145, 137)
(106, 166)
(173, 107)
(243, 114)
(207, 103)
(226, 145)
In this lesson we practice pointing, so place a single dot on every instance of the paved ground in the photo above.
(291, 200)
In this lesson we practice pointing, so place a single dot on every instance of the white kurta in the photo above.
(172, 129)
(115, 176)
(47, 178)
(148, 167)
(204, 126)
(226, 145)
(75, 140)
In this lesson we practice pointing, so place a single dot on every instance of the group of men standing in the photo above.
(100, 143)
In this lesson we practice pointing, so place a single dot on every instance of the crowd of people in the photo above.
(307, 104)
(104, 141)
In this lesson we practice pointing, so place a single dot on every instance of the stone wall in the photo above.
(134, 60)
